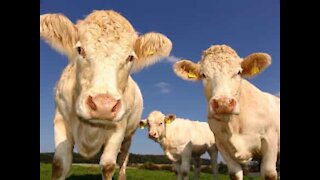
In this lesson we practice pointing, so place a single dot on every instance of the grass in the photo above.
(79, 172)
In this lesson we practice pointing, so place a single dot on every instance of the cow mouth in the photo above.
(222, 112)
(226, 113)
(221, 117)
(97, 122)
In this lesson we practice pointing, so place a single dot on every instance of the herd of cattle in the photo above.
(99, 106)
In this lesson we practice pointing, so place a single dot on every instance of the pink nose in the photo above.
(223, 105)
(152, 134)
(103, 106)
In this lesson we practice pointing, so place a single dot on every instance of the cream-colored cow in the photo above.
(98, 104)
(181, 140)
(244, 119)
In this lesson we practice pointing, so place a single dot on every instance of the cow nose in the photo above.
(152, 134)
(103, 106)
(223, 105)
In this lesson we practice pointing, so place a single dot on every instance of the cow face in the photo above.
(221, 71)
(105, 49)
(156, 123)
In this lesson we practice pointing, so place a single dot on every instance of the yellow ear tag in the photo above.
(254, 70)
(191, 75)
(150, 53)
(142, 127)
(168, 121)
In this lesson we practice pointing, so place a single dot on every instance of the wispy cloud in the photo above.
(172, 59)
(163, 87)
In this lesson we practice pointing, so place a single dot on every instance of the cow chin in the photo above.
(155, 139)
(223, 117)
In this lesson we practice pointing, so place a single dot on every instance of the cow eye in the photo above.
(203, 75)
(239, 72)
(80, 51)
(160, 124)
(130, 58)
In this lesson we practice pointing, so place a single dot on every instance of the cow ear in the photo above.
(151, 48)
(58, 31)
(143, 123)
(169, 118)
(254, 64)
(187, 70)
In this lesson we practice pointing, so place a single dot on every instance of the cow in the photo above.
(244, 119)
(182, 140)
(98, 105)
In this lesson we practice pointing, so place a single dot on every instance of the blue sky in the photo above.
(247, 25)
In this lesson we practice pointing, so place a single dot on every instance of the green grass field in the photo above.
(79, 172)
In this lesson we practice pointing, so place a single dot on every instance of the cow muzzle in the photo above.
(153, 135)
(224, 106)
(103, 107)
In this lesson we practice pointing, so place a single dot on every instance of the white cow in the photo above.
(244, 119)
(98, 104)
(181, 140)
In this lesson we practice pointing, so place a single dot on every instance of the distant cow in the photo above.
(98, 104)
(245, 120)
(181, 140)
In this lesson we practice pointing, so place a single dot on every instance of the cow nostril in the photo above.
(116, 107)
(91, 104)
(232, 103)
(215, 104)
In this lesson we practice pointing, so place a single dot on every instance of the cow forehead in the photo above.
(155, 116)
(220, 58)
(106, 32)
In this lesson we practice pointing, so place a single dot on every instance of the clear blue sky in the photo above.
(247, 25)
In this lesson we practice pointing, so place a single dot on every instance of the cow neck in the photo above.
(163, 137)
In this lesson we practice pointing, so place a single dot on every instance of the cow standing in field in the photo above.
(244, 119)
(98, 104)
(181, 140)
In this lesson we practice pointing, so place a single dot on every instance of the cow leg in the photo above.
(269, 157)
(185, 161)
(185, 167)
(177, 170)
(213, 153)
(197, 167)
(62, 159)
(124, 158)
(109, 157)
(235, 170)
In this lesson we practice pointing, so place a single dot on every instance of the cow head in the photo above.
(105, 49)
(156, 123)
(221, 71)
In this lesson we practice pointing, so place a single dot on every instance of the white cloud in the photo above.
(163, 86)
(277, 94)
(172, 59)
